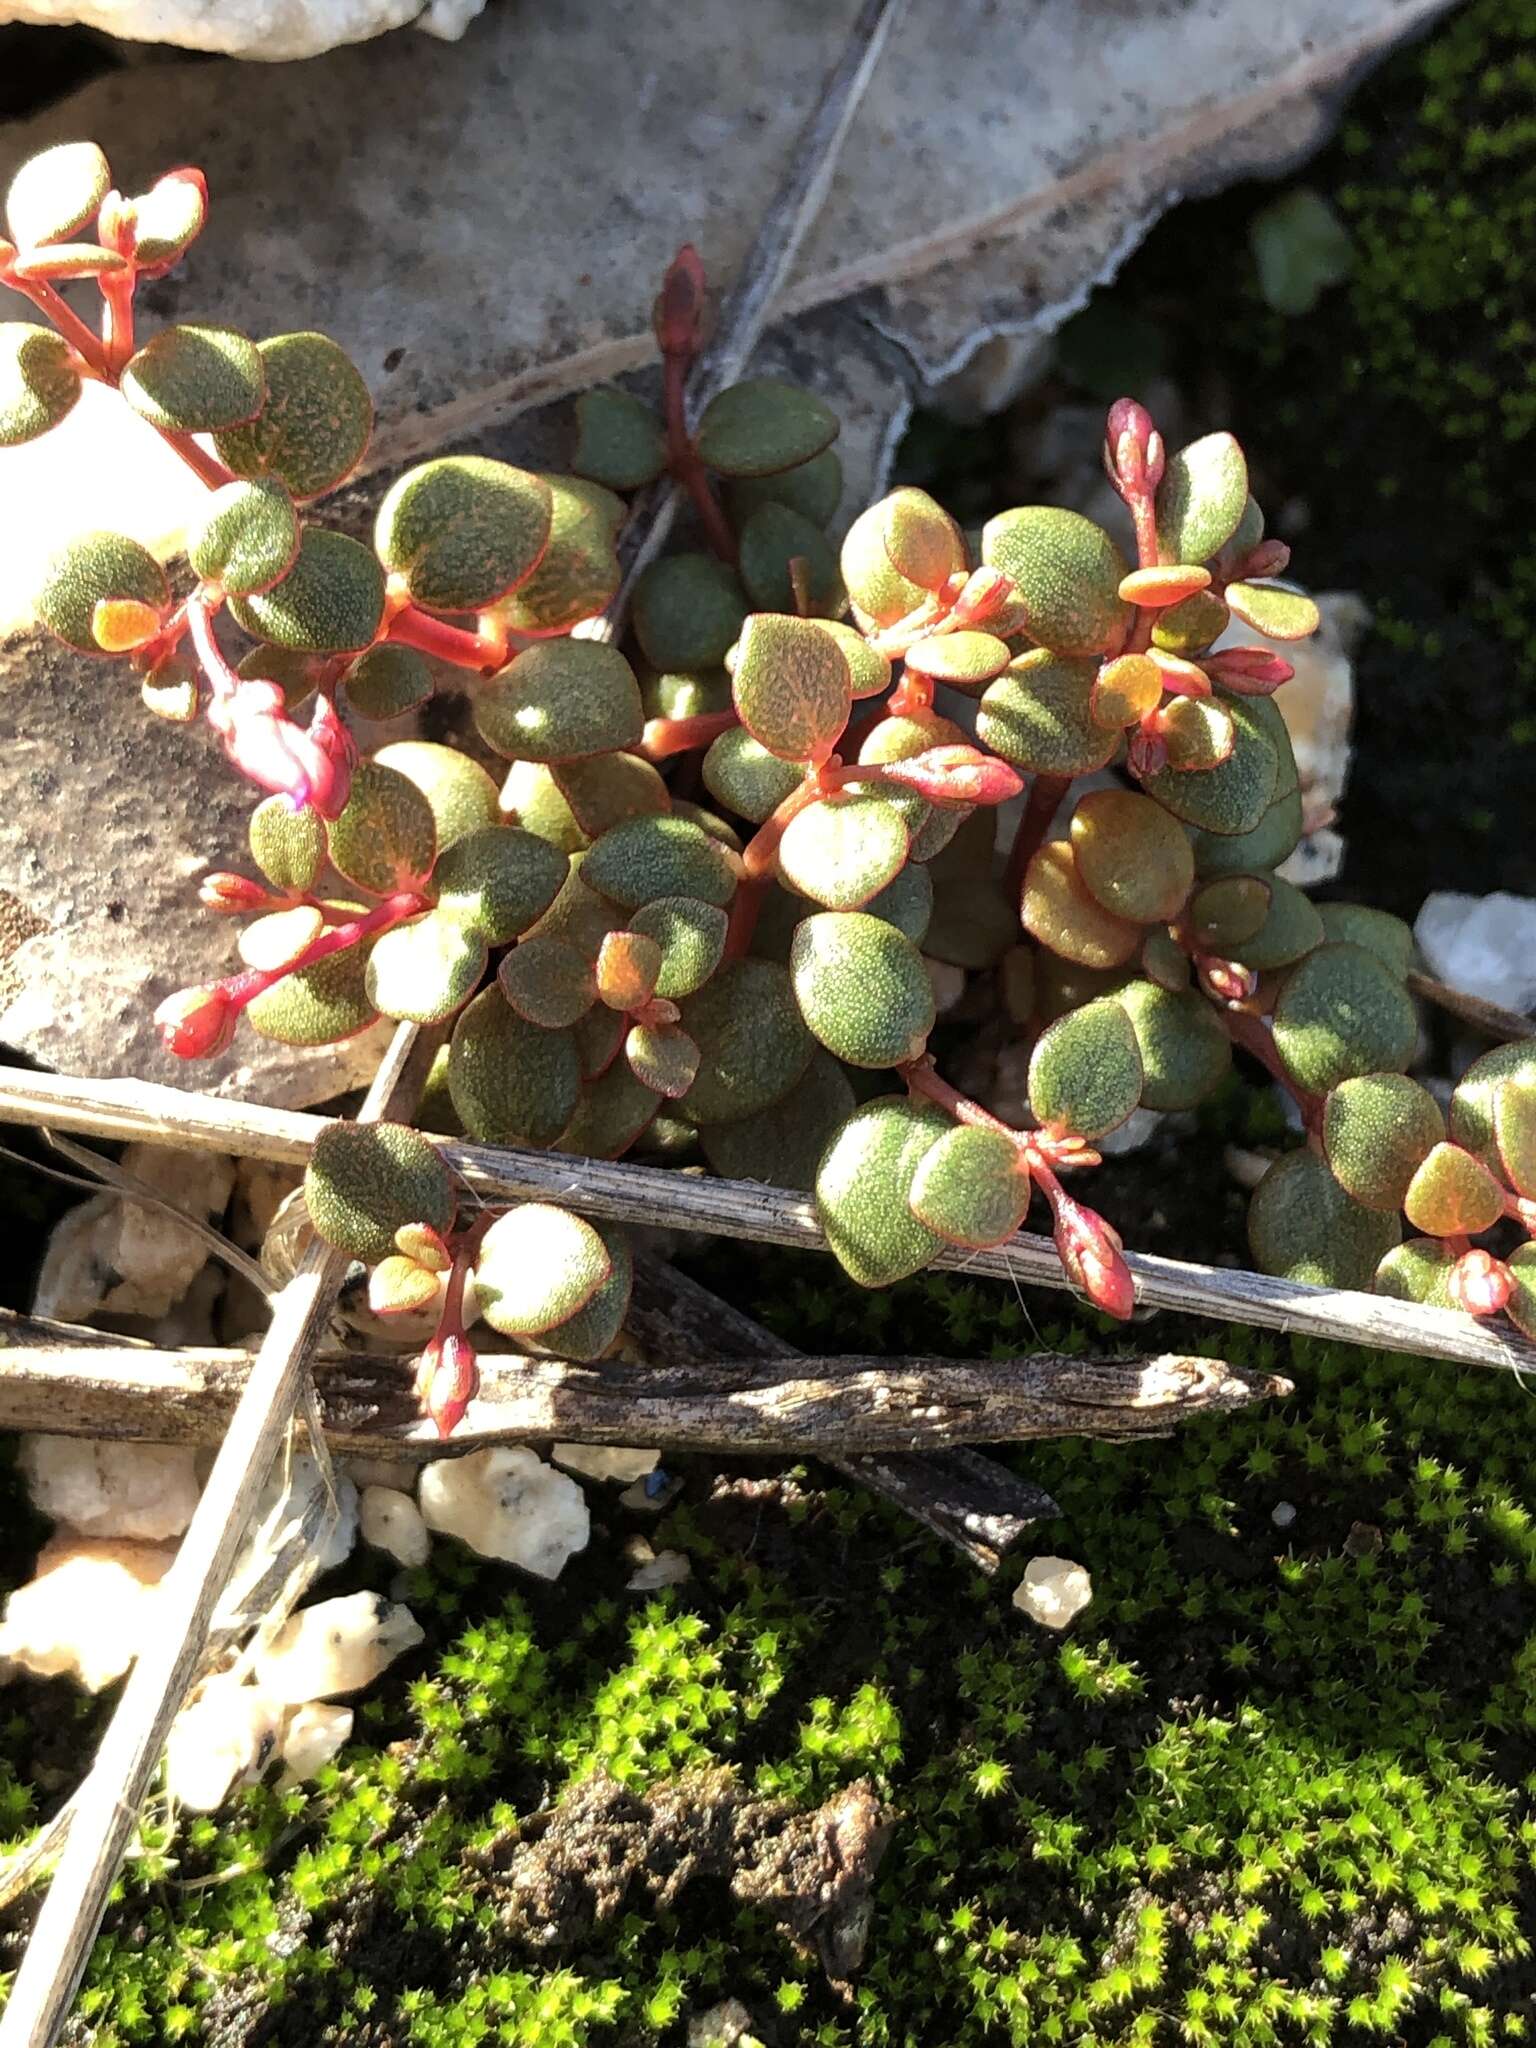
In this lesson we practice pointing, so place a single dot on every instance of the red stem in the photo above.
(763, 846)
(1254, 1036)
(663, 737)
(484, 651)
(241, 989)
(922, 1078)
(1043, 802)
(683, 461)
(117, 316)
(54, 307)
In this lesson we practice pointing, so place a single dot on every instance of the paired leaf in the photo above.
(511, 1082)
(1291, 928)
(1190, 627)
(966, 661)
(782, 1145)
(1227, 795)
(1303, 1226)
(752, 1040)
(791, 685)
(315, 423)
(331, 601)
(548, 981)
(1124, 691)
(1418, 1270)
(287, 845)
(594, 1330)
(387, 681)
(278, 939)
(90, 576)
(167, 219)
(605, 790)
(1227, 912)
(740, 773)
(782, 554)
(634, 863)
(1378, 931)
(814, 489)
(196, 380)
(662, 1058)
(864, 1189)
(619, 440)
(971, 1187)
(1514, 1130)
(1341, 1014)
(579, 571)
(845, 849)
(690, 938)
(1085, 1073)
(1132, 857)
(1378, 1129)
(1038, 715)
(1185, 1054)
(364, 1182)
(56, 193)
(688, 611)
(1202, 496)
(318, 1005)
(1278, 613)
(862, 988)
(614, 1110)
(1067, 572)
(1452, 1194)
(39, 382)
(762, 426)
(464, 530)
(385, 839)
(459, 793)
(248, 538)
(560, 700)
(1058, 910)
(423, 972)
(538, 1266)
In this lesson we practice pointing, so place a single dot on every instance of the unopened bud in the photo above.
(1229, 981)
(331, 788)
(231, 894)
(1480, 1284)
(956, 776)
(1133, 449)
(678, 312)
(981, 596)
(198, 1023)
(448, 1380)
(1147, 753)
(1248, 671)
(1090, 1254)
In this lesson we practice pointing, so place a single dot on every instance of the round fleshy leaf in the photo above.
(1341, 1013)
(752, 1041)
(1291, 929)
(659, 856)
(578, 914)
(1388, 937)
(167, 220)
(387, 681)
(385, 838)
(1452, 1194)
(1085, 1073)
(1514, 1131)
(560, 700)
(314, 427)
(594, 1330)
(548, 981)
(605, 790)
(287, 845)
(579, 571)
(1199, 734)
(761, 426)
(56, 193)
(532, 798)
(613, 1111)
(862, 988)
(922, 542)
(364, 1182)
(599, 1038)
(196, 380)
(1185, 1054)
(69, 262)
(1418, 1270)
(1038, 715)
(120, 624)
(864, 1188)
(463, 530)
(814, 489)
(98, 570)
(881, 594)
(1190, 627)
(1227, 912)
(421, 973)
(972, 923)
(628, 965)
(39, 382)
(1303, 1226)
(318, 1005)
(685, 693)
(782, 1146)
(868, 672)
(397, 1286)
(1067, 572)
(662, 1058)
(459, 793)
(688, 611)
(1378, 1130)
(691, 938)
(907, 902)
(537, 1266)
(1124, 691)
(278, 939)
(791, 685)
(1201, 498)
(294, 672)
(498, 882)
(1272, 840)
(1057, 909)
(512, 1083)
(740, 773)
(1472, 1106)
(1132, 858)
(773, 540)
(1063, 985)
(1521, 1307)
(1164, 961)
(1278, 613)
(1231, 796)
(844, 849)
(248, 538)
(619, 440)
(330, 602)
(971, 1187)
(1300, 247)
(965, 661)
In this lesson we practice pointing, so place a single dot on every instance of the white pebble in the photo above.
(336, 1646)
(1282, 1514)
(225, 1739)
(143, 1491)
(1053, 1590)
(666, 1568)
(87, 1610)
(392, 1522)
(506, 1502)
(312, 1734)
(606, 1461)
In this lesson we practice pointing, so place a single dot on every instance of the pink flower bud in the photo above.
(955, 775)
(1090, 1254)
(1227, 980)
(448, 1380)
(231, 894)
(339, 750)
(1147, 753)
(1480, 1283)
(264, 744)
(982, 596)
(198, 1023)
(1248, 671)
(679, 306)
(1133, 448)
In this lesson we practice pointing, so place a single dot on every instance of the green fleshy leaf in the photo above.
(1068, 573)
(685, 693)
(710, 823)
(1203, 495)
(907, 902)
(293, 671)
(923, 544)
(688, 611)
(330, 602)
(864, 1187)
(691, 938)
(599, 1038)
(1521, 1307)
(385, 839)
(1189, 628)
(1301, 248)
(459, 793)
(1165, 962)
(319, 1005)
(814, 489)
(644, 858)
(753, 1044)
(1038, 715)
(387, 681)
(762, 426)
(663, 1058)
(880, 593)
(315, 425)
(578, 914)
(772, 538)
(614, 1110)
(287, 845)
(610, 789)
(167, 220)
(248, 538)
(1291, 929)
(422, 972)
(1131, 856)
(740, 773)
(1273, 840)
(1085, 1073)
(782, 1146)
(1234, 795)
(594, 1330)
(98, 569)
(364, 1182)
(1472, 1117)
(279, 938)
(39, 382)
(560, 700)
(971, 1187)
(548, 981)
(1056, 909)
(397, 1286)
(56, 193)
(619, 440)
(1224, 914)
(1514, 1130)
(1377, 1131)
(1418, 1270)
(511, 1082)
(533, 799)
(1269, 609)
(464, 530)
(196, 380)
(538, 1266)
(1452, 1194)
(843, 850)
(862, 988)
(1378, 931)
(498, 882)
(1341, 1014)
(579, 572)
(965, 661)
(1185, 1054)
(1199, 733)
(1303, 1226)
(1065, 985)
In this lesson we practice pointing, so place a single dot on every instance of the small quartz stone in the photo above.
(336, 1646)
(87, 1609)
(391, 1521)
(145, 1491)
(727, 2025)
(666, 1568)
(606, 1461)
(311, 1736)
(1483, 945)
(127, 1258)
(224, 1740)
(1282, 1514)
(1053, 1590)
(506, 1502)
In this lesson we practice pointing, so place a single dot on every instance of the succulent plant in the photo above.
(614, 958)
